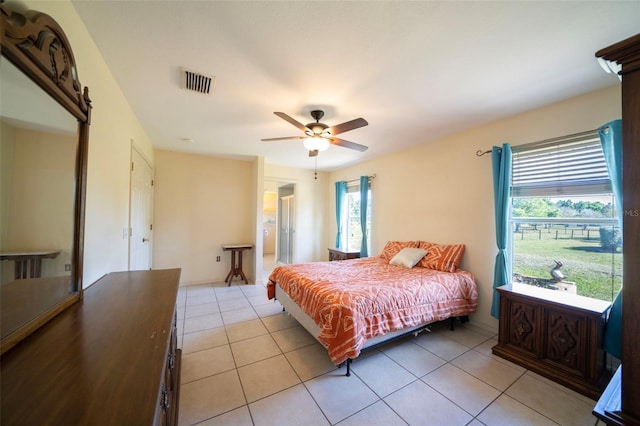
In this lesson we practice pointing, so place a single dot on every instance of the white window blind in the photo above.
(573, 165)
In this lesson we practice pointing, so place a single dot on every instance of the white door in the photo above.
(141, 213)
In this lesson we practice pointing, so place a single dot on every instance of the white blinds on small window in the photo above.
(573, 165)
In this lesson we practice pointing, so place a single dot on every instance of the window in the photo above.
(351, 230)
(564, 228)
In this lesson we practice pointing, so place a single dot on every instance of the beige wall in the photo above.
(441, 192)
(40, 172)
(113, 127)
(201, 203)
(7, 149)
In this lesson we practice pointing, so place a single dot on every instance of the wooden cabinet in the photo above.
(620, 404)
(170, 386)
(554, 334)
(337, 254)
(110, 359)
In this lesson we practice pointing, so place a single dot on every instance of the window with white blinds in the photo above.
(573, 165)
(563, 210)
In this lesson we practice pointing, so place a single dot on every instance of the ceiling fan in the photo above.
(318, 136)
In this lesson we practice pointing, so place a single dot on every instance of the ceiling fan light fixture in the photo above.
(316, 143)
(317, 128)
(318, 136)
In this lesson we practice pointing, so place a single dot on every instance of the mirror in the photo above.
(44, 119)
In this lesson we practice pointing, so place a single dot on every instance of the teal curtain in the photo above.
(611, 140)
(364, 200)
(501, 164)
(341, 193)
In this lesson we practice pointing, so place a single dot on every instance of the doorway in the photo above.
(274, 236)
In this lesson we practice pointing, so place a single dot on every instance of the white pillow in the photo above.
(408, 257)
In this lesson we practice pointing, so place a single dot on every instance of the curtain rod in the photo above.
(480, 152)
(373, 176)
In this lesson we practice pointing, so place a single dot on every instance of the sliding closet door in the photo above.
(287, 229)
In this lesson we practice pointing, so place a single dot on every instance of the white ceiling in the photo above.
(416, 71)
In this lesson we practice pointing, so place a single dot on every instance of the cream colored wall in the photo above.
(440, 191)
(7, 149)
(42, 174)
(113, 127)
(201, 203)
(311, 201)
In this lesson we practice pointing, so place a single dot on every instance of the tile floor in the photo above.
(246, 362)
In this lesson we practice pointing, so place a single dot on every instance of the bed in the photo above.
(354, 304)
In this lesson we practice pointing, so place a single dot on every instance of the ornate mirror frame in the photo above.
(37, 46)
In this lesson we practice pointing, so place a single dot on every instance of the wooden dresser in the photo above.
(110, 359)
(554, 334)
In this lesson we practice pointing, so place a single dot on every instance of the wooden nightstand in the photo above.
(337, 254)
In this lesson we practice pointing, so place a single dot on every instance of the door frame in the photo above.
(268, 182)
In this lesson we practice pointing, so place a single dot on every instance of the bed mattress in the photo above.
(353, 301)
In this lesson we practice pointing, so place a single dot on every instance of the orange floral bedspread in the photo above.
(354, 300)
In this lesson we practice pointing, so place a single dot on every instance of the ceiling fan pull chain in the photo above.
(315, 170)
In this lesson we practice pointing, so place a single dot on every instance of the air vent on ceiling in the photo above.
(196, 82)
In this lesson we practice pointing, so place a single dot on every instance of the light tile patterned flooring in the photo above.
(246, 362)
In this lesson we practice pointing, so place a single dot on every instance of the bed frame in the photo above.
(307, 322)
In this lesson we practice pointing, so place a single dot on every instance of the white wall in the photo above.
(440, 191)
(113, 127)
(201, 203)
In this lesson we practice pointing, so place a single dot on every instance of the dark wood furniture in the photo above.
(337, 254)
(236, 261)
(109, 359)
(620, 403)
(23, 259)
(38, 48)
(554, 334)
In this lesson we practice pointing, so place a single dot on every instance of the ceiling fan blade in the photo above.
(347, 144)
(349, 125)
(283, 138)
(293, 121)
(313, 153)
